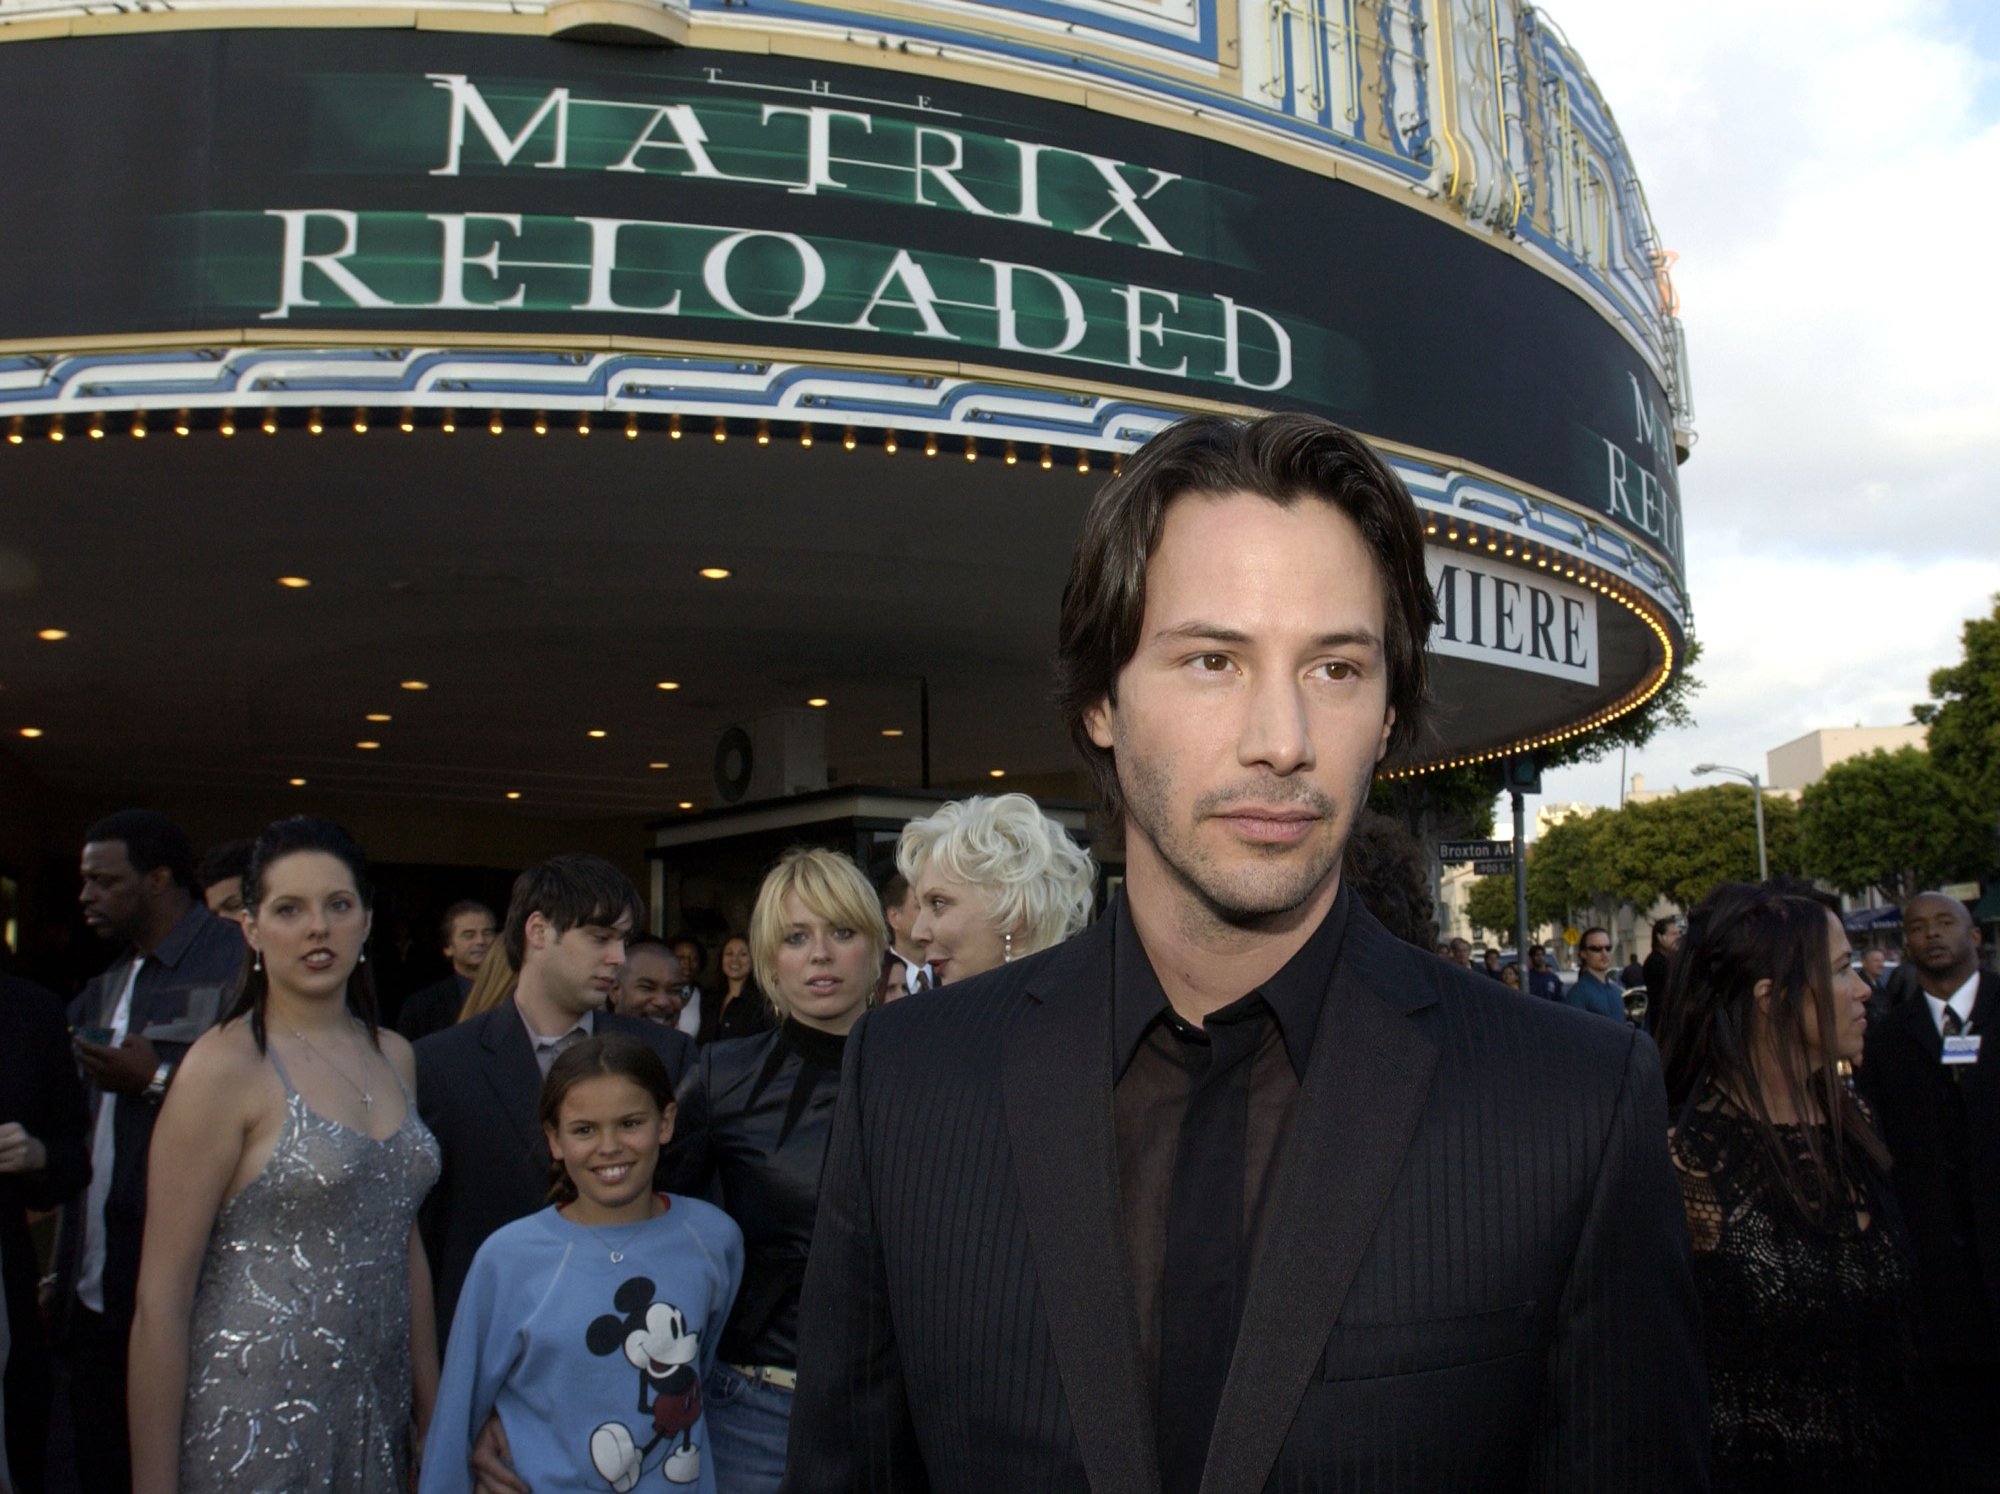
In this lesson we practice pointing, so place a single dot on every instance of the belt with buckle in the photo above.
(768, 1374)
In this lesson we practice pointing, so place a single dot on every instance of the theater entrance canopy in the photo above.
(447, 408)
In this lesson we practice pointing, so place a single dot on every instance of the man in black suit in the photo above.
(133, 1025)
(1234, 1191)
(466, 932)
(479, 1082)
(1935, 1086)
(44, 1163)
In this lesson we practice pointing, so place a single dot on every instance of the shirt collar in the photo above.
(180, 936)
(1959, 1001)
(1295, 995)
(585, 1024)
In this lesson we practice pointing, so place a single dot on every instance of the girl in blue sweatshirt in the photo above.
(589, 1327)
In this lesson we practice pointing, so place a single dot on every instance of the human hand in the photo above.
(493, 1461)
(20, 1152)
(126, 1069)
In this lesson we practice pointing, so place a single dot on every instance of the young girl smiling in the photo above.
(587, 1328)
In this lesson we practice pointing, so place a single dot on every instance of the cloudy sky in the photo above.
(1826, 170)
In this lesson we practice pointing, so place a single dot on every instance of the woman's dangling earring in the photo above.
(1007, 948)
(364, 955)
(257, 961)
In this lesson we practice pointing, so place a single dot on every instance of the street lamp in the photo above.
(1756, 797)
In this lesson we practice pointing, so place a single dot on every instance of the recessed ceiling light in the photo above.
(714, 573)
(415, 685)
(52, 635)
(378, 716)
(687, 804)
(296, 782)
(513, 793)
(31, 732)
(669, 685)
(996, 772)
(368, 746)
(294, 583)
(598, 732)
(659, 765)
(892, 731)
(818, 702)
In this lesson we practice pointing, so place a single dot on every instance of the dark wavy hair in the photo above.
(570, 891)
(614, 1053)
(300, 833)
(1286, 458)
(1712, 1026)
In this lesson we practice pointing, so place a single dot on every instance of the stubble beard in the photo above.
(1277, 881)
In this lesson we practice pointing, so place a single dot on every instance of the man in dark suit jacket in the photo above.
(479, 1082)
(44, 1163)
(133, 1025)
(1235, 1192)
(466, 932)
(1942, 1124)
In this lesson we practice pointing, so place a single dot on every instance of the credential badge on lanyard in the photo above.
(1963, 1049)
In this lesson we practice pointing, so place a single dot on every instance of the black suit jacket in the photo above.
(478, 1089)
(1476, 1273)
(39, 1091)
(1912, 1092)
(431, 1009)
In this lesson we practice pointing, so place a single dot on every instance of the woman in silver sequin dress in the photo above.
(284, 1337)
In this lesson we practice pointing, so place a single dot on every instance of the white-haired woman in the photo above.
(755, 1115)
(995, 879)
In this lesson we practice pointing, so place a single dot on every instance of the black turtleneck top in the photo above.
(755, 1113)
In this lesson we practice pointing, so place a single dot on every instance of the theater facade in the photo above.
(509, 426)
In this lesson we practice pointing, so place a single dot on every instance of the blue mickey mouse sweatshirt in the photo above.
(595, 1364)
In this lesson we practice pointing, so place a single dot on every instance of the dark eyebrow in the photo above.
(1204, 632)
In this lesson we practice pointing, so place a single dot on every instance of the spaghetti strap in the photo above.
(271, 1052)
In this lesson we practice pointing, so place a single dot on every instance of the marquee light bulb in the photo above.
(360, 422)
(496, 425)
(227, 427)
(674, 427)
(930, 445)
(56, 432)
(583, 425)
(631, 427)
(889, 443)
(806, 435)
(541, 423)
(847, 438)
(270, 422)
(721, 430)
(763, 433)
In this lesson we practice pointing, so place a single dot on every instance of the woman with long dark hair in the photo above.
(1804, 1269)
(738, 1008)
(284, 1337)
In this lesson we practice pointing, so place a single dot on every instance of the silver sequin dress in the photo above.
(299, 1348)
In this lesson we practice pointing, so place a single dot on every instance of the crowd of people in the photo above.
(1235, 1185)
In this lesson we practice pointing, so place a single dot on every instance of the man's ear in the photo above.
(1761, 994)
(539, 931)
(158, 880)
(1097, 721)
(1388, 727)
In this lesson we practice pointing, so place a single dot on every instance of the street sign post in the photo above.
(1476, 850)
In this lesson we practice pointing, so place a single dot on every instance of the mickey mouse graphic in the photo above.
(655, 1338)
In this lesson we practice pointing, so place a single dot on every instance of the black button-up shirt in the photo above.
(1155, 1056)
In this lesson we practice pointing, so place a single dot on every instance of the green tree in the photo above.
(1681, 846)
(1963, 715)
(1893, 821)
(1565, 870)
(1489, 905)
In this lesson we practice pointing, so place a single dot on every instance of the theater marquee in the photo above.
(437, 184)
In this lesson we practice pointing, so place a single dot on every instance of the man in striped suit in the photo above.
(1234, 1191)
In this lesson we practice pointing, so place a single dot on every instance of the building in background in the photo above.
(1804, 760)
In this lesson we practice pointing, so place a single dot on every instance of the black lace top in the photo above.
(1809, 1327)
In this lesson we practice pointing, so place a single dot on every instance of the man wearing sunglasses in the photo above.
(1594, 989)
